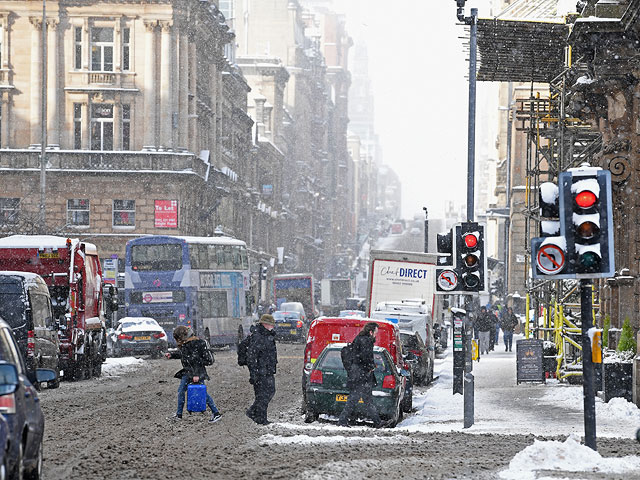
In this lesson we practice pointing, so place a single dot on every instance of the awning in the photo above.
(520, 51)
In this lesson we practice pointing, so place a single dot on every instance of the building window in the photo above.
(102, 49)
(78, 212)
(126, 49)
(126, 127)
(77, 126)
(77, 62)
(124, 213)
(226, 7)
(102, 126)
(9, 208)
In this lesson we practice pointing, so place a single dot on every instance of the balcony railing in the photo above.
(102, 78)
(120, 162)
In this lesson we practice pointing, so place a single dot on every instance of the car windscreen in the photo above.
(332, 360)
(410, 342)
(282, 316)
(140, 325)
(12, 304)
(157, 257)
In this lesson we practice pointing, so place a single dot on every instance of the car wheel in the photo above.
(97, 368)
(36, 472)
(407, 404)
(55, 383)
(310, 417)
(430, 375)
(18, 467)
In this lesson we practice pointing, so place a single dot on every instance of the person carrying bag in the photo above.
(195, 356)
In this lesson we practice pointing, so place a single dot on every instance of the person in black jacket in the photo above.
(262, 358)
(195, 355)
(360, 377)
(484, 322)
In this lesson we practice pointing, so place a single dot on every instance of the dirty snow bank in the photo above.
(567, 456)
(114, 367)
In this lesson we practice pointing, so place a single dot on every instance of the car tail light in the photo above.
(299, 324)
(159, 335)
(389, 382)
(124, 336)
(316, 376)
(31, 343)
(307, 353)
(417, 353)
(8, 403)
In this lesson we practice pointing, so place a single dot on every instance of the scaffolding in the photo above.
(554, 143)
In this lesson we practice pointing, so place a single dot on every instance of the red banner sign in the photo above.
(166, 214)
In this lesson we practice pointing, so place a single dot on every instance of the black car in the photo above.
(20, 407)
(417, 354)
(289, 326)
(25, 305)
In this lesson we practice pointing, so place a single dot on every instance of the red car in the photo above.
(327, 330)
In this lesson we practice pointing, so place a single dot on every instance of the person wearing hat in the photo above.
(262, 358)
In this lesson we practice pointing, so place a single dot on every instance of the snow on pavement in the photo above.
(269, 439)
(539, 409)
(114, 367)
(567, 456)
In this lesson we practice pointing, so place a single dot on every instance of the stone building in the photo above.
(146, 120)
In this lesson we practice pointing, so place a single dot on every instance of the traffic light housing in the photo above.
(470, 256)
(447, 277)
(583, 246)
(586, 209)
(444, 245)
(263, 272)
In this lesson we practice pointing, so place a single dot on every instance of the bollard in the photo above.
(468, 400)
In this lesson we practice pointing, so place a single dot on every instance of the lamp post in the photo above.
(426, 229)
(43, 122)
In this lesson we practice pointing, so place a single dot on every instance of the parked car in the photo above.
(419, 356)
(138, 336)
(415, 231)
(327, 330)
(289, 326)
(20, 407)
(4, 448)
(25, 305)
(327, 391)
(295, 307)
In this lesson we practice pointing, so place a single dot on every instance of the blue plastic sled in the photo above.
(196, 397)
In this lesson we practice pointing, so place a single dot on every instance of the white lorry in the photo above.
(395, 275)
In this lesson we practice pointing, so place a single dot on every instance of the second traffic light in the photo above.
(470, 256)
(263, 272)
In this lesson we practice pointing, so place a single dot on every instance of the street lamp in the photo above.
(43, 122)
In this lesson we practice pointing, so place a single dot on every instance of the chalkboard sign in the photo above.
(529, 361)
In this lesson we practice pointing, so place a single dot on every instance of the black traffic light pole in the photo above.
(472, 21)
(587, 365)
(426, 229)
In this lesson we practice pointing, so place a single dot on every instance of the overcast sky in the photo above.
(418, 67)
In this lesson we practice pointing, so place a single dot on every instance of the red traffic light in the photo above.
(586, 199)
(470, 240)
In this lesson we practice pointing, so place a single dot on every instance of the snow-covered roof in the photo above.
(208, 240)
(42, 242)
(28, 277)
(458, 310)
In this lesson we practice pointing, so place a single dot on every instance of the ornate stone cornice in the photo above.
(36, 22)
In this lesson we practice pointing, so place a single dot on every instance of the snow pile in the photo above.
(569, 456)
(310, 440)
(568, 396)
(114, 367)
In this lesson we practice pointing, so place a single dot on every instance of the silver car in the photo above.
(138, 336)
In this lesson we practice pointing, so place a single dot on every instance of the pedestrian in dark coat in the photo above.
(360, 377)
(195, 356)
(509, 323)
(262, 358)
(483, 323)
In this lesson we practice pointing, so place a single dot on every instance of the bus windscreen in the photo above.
(156, 257)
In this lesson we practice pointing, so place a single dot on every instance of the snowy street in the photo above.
(129, 437)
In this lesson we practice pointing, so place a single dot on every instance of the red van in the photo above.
(326, 330)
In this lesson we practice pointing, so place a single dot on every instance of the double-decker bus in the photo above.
(201, 282)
